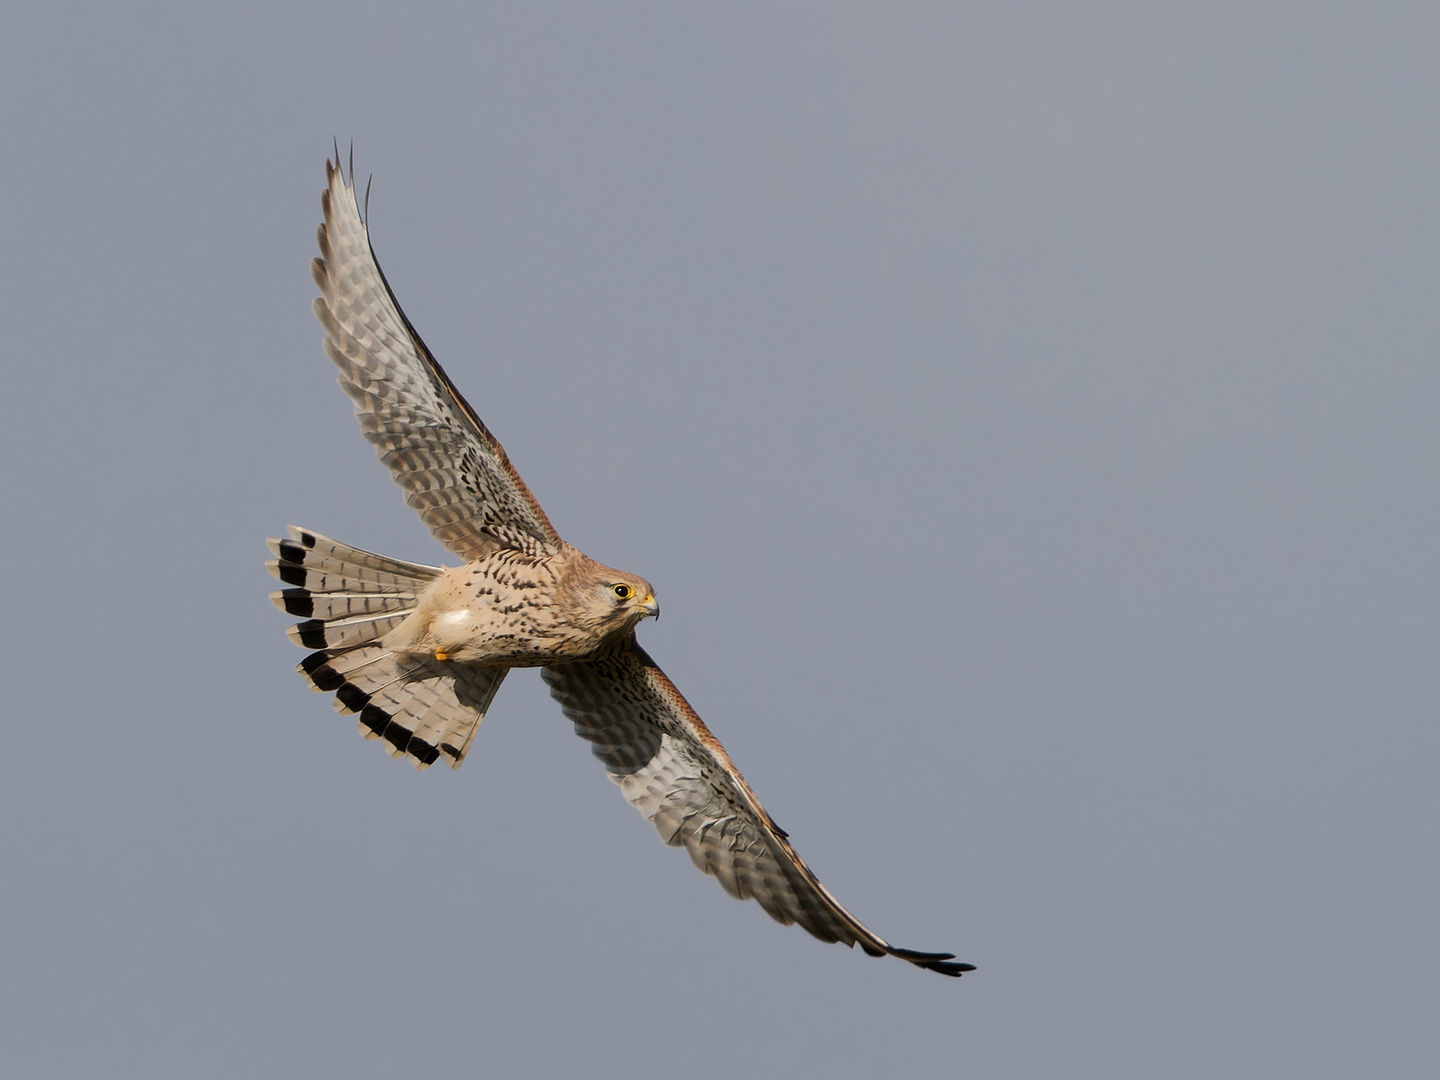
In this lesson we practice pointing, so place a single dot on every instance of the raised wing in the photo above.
(677, 774)
(455, 473)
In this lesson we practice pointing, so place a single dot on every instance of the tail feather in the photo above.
(343, 633)
(320, 565)
(419, 709)
(318, 575)
(328, 607)
(328, 671)
(312, 546)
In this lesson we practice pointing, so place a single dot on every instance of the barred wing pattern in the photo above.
(678, 776)
(456, 475)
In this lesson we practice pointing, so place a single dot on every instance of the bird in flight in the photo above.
(417, 652)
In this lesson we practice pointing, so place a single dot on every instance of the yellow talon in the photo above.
(441, 654)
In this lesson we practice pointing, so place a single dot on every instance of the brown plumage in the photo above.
(518, 610)
(417, 653)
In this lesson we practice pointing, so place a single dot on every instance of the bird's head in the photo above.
(604, 600)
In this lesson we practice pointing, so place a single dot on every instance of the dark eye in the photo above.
(622, 592)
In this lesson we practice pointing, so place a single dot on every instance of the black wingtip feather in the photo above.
(944, 963)
(946, 967)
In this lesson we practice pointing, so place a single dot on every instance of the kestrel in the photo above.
(417, 652)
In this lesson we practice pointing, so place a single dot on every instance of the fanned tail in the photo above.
(349, 600)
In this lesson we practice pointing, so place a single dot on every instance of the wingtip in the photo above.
(945, 967)
(944, 963)
(336, 167)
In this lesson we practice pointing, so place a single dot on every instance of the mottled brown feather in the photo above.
(675, 772)
(455, 473)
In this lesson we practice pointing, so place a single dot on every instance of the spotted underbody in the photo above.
(516, 609)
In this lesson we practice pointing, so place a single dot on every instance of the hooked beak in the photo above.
(650, 606)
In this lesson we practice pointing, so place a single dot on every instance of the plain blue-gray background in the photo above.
(1026, 412)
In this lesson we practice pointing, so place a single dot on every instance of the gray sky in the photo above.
(1025, 411)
